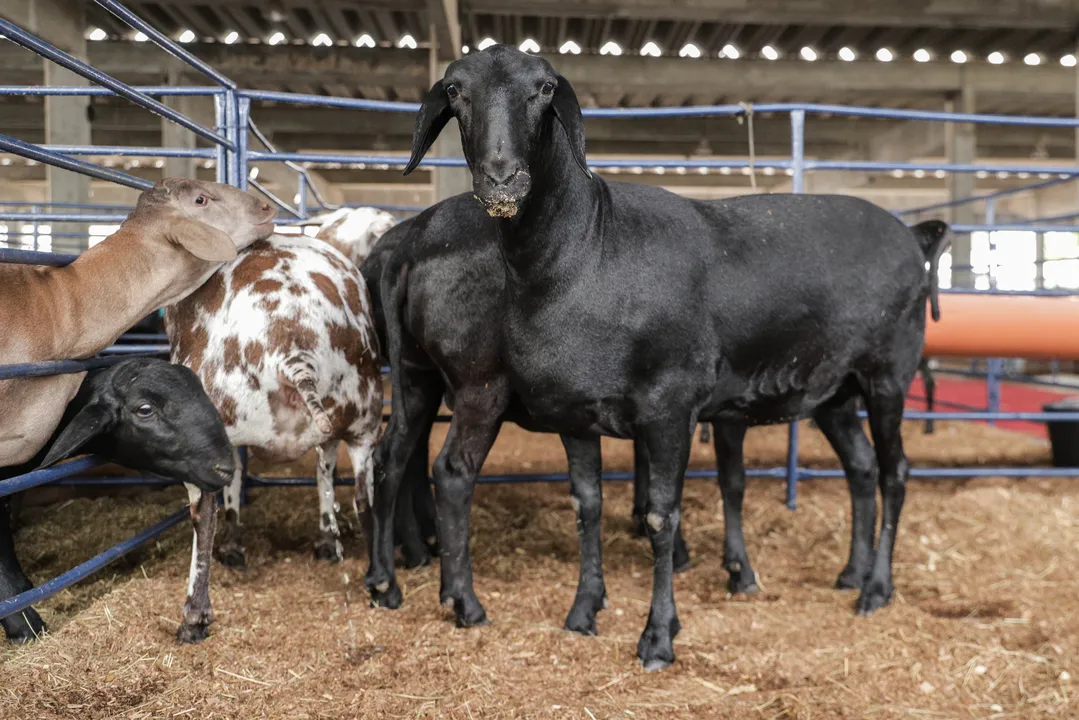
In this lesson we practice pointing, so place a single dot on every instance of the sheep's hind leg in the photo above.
(728, 438)
(328, 545)
(230, 551)
(198, 612)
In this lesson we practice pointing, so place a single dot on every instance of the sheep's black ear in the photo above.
(87, 424)
(568, 111)
(433, 115)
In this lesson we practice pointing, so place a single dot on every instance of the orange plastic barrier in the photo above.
(1002, 326)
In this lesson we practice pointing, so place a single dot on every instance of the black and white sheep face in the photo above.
(504, 101)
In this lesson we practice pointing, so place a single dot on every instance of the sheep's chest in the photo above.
(565, 382)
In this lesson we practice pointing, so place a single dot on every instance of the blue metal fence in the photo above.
(232, 157)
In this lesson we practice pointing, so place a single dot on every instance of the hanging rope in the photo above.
(747, 108)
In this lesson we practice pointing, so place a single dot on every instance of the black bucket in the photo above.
(1064, 434)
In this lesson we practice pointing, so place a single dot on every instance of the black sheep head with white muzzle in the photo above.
(505, 101)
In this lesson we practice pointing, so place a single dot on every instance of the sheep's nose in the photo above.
(500, 170)
(265, 206)
(225, 472)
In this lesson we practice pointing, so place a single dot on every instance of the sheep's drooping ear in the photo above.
(201, 240)
(90, 422)
(433, 115)
(568, 111)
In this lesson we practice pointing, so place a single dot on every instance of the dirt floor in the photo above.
(983, 623)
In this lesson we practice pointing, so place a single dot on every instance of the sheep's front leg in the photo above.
(667, 443)
(328, 546)
(586, 494)
(198, 612)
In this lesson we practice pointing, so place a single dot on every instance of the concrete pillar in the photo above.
(960, 141)
(174, 136)
(447, 181)
(67, 119)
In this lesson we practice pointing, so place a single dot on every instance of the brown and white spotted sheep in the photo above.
(354, 231)
(284, 343)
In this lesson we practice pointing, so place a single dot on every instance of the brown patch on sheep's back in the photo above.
(349, 340)
(231, 355)
(211, 296)
(259, 259)
(327, 287)
(253, 353)
(266, 286)
(269, 304)
(337, 263)
(284, 334)
(352, 296)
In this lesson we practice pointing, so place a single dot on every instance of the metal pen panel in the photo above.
(58, 56)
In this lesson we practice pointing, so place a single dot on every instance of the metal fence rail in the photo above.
(232, 158)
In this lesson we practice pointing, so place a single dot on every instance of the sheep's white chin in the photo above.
(502, 208)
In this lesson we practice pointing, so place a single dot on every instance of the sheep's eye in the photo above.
(201, 200)
(145, 410)
(548, 88)
(452, 91)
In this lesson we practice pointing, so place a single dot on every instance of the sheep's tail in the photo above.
(299, 372)
(931, 235)
(393, 288)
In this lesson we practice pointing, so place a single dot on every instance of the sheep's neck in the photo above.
(109, 288)
(556, 237)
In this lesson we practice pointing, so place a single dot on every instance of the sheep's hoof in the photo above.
(582, 616)
(874, 596)
(232, 556)
(389, 597)
(24, 627)
(742, 580)
(655, 649)
(328, 547)
(467, 610)
(192, 634)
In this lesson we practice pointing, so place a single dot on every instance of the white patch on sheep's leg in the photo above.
(193, 496)
(198, 612)
(232, 495)
(363, 466)
(231, 549)
(328, 546)
(655, 521)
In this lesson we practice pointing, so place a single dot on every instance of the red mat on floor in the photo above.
(1014, 397)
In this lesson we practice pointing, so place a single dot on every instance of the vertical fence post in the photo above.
(243, 116)
(301, 204)
(233, 167)
(991, 219)
(994, 369)
(798, 118)
(221, 118)
(35, 209)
